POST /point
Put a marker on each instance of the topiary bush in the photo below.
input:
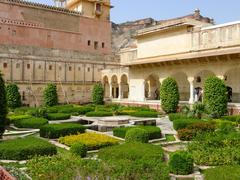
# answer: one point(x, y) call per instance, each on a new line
point(169, 95)
point(181, 163)
point(137, 135)
point(153, 131)
point(25, 148)
point(58, 116)
point(150, 114)
point(215, 96)
point(53, 131)
point(13, 96)
point(50, 95)
point(98, 94)
point(184, 122)
point(3, 106)
point(33, 122)
point(79, 149)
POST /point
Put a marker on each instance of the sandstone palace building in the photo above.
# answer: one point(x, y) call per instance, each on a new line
point(74, 45)
point(68, 46)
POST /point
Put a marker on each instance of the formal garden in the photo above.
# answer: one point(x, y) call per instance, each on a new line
point(63, 142)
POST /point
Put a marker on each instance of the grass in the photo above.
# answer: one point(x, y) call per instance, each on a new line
point(170, 138)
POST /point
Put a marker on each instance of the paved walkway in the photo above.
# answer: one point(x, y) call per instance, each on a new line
point(166, 125)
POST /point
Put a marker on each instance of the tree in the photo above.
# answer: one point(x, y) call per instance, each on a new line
point(3, 106)
point(50, 95)
point(98, 94)
point(169, 95)
point(215, 96)
point(13, 96)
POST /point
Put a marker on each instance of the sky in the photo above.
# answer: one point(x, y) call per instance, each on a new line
point(221, 11)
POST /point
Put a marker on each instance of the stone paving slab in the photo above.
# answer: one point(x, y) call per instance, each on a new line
point(166, 125)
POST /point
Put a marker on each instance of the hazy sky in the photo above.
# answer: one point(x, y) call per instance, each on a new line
point(126, 10)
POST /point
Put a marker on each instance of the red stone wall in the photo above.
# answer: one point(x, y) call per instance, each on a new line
point(46, 28)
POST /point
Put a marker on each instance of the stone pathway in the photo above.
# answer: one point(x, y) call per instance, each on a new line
point(166, 125)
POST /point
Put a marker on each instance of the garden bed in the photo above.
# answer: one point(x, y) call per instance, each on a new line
point(93, 141)
point(25, 148)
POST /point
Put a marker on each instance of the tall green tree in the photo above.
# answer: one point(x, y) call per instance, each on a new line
point(50, 95)
point(3, 106)
point(98, 94)
point(169, 95)
point(215, 96)
point(13, 96)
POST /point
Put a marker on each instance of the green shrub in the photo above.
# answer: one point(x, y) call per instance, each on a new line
point(216, 148)
point(169, 95)
point(23, 110)
point(14, 117)
point(79, 149)
point(149, 114)
point(13, 96)
point(223, 173)
point(54, 167)
point(235, 118)
point(50, 95)
point(135, 161)
point(137, 135)
point(183, 123)
point(26, 148)
point(186, 134)
point(215, 96)
point(192, 130)
point(85, 109)
point(37, 112)
point(3, 106)
point(176, 116)
point(33, 122)
point(58, 116)
point(153, 131)
point(198, 110)
point(54, 131)
point(99, 114)
point(98, 94)
point(181, 163)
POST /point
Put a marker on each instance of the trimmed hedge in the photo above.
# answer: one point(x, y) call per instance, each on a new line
point(53, 131)
point(79, 149)
point(33, 122)
point(99, 114)
point(169, 95)
point(181, 162)
point(153, 131)
point(93, 141)
point(183, 123)
point(135, 161)
point(176, 116)
point(26, 148)
point(150, 114)
point(58, 116)
point(137, 135)
point(215, 96)
point(14, 117)
point(192, 130)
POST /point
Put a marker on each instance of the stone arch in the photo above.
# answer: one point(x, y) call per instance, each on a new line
point(183, 85)
point(106, 86)
point(152, 87)
point(115, 86)
point(124, 86)
point(232, 81)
